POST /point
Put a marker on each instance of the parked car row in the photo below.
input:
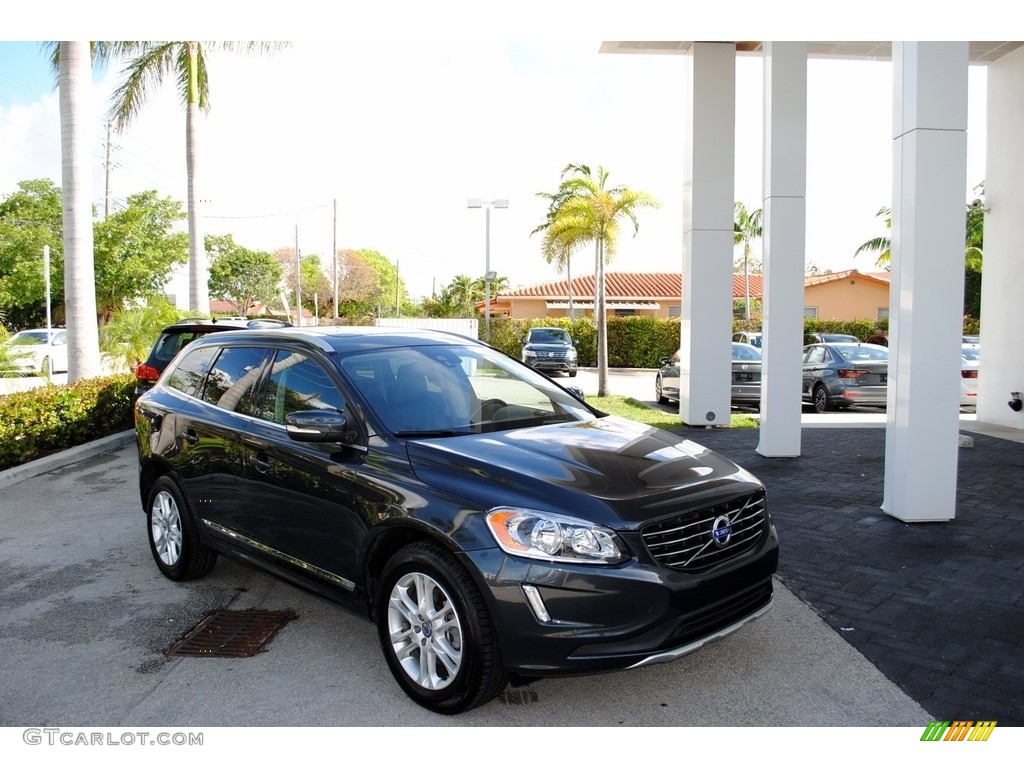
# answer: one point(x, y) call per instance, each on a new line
point(838, 372)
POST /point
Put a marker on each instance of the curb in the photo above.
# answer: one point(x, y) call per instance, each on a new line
point(70, 456)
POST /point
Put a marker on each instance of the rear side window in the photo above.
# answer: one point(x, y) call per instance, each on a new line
point(190, 373)
point(233, 378)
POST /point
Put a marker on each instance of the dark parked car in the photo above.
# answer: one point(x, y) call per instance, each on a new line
point(492, 525)
point(843, 374)
point(550, 349)
point(746, 377)
point(174, 337)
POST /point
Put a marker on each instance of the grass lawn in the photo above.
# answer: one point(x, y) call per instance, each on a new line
point(629, 408)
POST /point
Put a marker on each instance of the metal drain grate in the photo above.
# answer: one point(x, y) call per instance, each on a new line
point(231, 634)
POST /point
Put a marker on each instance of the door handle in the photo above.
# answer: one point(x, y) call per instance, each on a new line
point(190, 436)
point(261, 462)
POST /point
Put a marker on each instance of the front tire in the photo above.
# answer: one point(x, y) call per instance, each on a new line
point(174, 536)
point(436, 633)
point(662, 400)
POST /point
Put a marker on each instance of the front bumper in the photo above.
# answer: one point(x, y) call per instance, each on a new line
point(611, 618)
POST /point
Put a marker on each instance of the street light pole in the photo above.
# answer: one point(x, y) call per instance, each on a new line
point(488, 274)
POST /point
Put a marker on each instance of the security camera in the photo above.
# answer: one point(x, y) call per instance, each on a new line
point(1015, 402)
point(976, 203)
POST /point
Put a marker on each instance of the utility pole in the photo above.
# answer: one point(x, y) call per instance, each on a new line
point(334, 251)
point(108, 166)
point(298, 281)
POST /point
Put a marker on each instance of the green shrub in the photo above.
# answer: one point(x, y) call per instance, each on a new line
point(633, 342)
point(48, 419)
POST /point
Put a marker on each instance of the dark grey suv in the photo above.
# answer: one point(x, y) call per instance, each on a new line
point(550, 349)
point(493, 526)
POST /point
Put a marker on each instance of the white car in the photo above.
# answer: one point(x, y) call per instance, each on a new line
point(969, 375)
point(39, 350)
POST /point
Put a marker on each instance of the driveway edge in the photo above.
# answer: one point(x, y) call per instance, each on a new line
point(62, 459)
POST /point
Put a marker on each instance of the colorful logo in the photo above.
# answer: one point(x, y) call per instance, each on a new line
point(958, 730)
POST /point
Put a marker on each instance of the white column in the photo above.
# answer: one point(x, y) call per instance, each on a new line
point(705, 366)
point(784, 240)
point(1002, 287)
point(926, 294)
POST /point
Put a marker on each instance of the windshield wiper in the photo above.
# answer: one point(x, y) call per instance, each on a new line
point(431, 433)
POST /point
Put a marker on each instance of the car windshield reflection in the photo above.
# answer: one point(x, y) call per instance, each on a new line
point(434, 391)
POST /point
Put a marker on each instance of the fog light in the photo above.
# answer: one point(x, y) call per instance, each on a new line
point(536, 603)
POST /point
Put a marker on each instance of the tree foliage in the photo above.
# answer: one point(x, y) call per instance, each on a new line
point(371, 286)
point(136, 251)
point(30, 218)
point(241, 276)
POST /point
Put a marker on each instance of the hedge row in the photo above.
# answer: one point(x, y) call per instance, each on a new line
point(48, 419)
point(641, 341)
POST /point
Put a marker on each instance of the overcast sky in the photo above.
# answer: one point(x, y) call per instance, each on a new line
point(400, 131)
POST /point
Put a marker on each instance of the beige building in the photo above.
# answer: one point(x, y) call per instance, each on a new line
point(848, 295)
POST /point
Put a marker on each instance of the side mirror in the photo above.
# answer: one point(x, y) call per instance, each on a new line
point(319, 426)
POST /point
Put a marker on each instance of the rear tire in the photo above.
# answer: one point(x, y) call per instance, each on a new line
point(174, 535)
point(662, 400)
point(436, 633)
point(820, 399)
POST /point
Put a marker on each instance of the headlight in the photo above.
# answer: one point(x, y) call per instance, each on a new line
point(529, 353)
point(570, 355)
point(546, 536)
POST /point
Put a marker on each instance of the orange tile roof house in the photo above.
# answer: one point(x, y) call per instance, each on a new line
point(847, 295)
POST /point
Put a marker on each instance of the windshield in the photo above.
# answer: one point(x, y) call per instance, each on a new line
point(549, 336)
point(451, 390)
point(28, 337)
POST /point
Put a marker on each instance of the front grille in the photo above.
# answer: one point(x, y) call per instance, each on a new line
point(688, 542)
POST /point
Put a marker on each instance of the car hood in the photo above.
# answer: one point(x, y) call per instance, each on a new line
point(609, 470)
point(546, 347)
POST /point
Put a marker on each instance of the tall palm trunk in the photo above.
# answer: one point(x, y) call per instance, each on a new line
point(602, 321)
point(568, 277)
point(198, 269)
point(75, 83)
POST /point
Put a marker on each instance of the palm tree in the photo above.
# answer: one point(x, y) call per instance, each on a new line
point(555, 253)
point(585, 210)
point(880, 244)
point(974, 237)
point(185, 61)
point(746, 227)
point(74, 78)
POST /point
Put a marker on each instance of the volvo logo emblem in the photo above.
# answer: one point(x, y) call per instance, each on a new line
point(721, 530)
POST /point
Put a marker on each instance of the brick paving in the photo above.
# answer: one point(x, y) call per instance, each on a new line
point(937, 607)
